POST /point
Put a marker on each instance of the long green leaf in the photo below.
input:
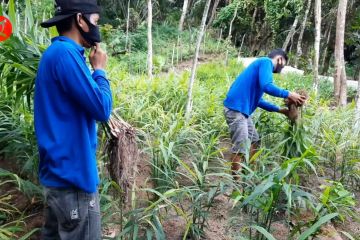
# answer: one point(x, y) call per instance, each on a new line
point(28, 235)
point(264, 232)
point(288, 191)
point(12, 15)
point(259, 190)
point(184, 165)
point(348, 235)
point(313, 229)
point(149, 234)
point(124, 232)
point(135, 232)
point(25, 70)
point(160, 232)
point(28, 14)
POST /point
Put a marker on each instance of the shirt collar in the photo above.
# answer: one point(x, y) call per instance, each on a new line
point(69, 40)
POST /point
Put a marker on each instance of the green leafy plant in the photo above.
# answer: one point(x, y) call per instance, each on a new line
point(336, 199)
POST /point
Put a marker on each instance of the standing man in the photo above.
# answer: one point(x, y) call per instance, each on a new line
point(245, 95)
point(69, 99)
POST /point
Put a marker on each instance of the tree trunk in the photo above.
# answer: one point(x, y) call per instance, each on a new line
point(252, 35)
point(326, 46)
point(213, 12)
point(232, 21)
point(343, 86)
point(303, 26)
point(254, 18)
point(317, 14)
point(327, 62)
point(242, 43)
point(291, 33)
point(228, 39)
point(340, 75)
point(183, 15)
point(127, 27)
point(357, 111)
point(195, 61)
point(149, 35)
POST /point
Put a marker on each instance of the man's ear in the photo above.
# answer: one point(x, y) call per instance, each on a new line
point(78, 19)
point(281, 62)
point(81, 22)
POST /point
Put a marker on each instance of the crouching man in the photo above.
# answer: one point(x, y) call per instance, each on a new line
point(245, 95)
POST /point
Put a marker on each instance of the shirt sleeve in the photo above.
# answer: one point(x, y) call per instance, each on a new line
point(266, 81)
point(268, 106)
point(91, 92)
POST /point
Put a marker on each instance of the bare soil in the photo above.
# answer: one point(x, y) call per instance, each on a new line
point(187, 64)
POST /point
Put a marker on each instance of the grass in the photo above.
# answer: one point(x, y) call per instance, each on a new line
point(188, 169)
point(156, 108)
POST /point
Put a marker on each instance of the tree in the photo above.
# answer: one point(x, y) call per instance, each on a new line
point(183, 14)
point(213, 12)
point(127, 27)
point(149, 36)
point(326, 47)
point(232, 21)
point(291, 33)
point(195, 61)
point(357, 115)
point(340, 85)
point(317, 10)
point(303, 26)
point(228, 39)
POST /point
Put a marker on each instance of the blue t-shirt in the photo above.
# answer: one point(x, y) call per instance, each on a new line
point(68, 102)
point(246, 93)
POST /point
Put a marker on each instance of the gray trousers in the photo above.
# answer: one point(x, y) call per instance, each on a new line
point(71, 214)
point(242, 131)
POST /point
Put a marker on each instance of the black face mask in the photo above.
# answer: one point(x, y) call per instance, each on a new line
point(278, 67)
point(93, 35)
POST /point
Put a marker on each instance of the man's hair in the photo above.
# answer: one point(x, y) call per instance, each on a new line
point(65, 25)
point(278, 52)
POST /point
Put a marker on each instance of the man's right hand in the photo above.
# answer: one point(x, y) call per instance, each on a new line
point(98, 57)
point(296, 98)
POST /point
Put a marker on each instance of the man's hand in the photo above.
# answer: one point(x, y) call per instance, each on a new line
point(284, 111)
point(296, 98)
point(98, 57)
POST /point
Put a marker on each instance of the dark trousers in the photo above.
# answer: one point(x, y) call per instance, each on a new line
point(71, 214)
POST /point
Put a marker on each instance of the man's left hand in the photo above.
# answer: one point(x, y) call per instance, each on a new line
point(284, 111)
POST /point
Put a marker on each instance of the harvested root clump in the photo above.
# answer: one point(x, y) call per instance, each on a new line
point(295, 109)
point(123, 153)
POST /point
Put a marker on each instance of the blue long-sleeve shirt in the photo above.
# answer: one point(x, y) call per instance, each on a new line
point(68, 102)
point(246, 93)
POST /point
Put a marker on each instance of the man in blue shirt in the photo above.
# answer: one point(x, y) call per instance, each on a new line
point(245, 95)
point(69, 99)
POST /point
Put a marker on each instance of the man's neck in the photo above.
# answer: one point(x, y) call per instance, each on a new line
point(74, 37)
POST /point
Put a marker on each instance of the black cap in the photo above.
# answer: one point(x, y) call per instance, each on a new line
point(68, 8)
point(278, 52)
